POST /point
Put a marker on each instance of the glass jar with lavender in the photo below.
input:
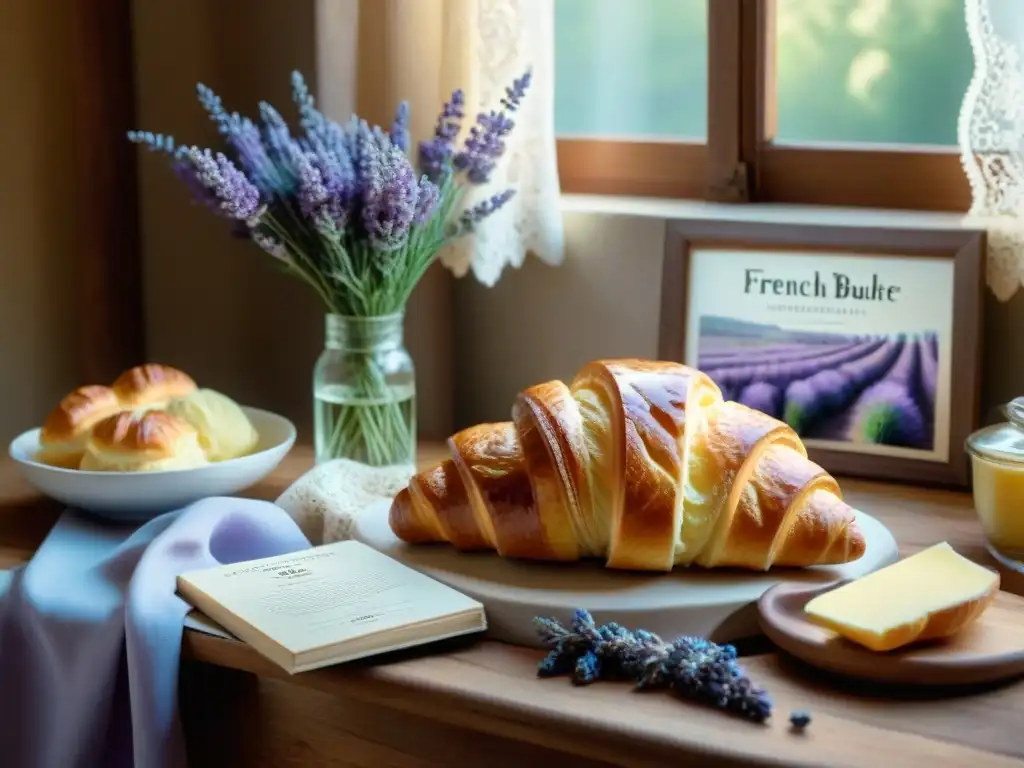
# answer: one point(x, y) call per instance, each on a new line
point(359, 213)
point(364, 390)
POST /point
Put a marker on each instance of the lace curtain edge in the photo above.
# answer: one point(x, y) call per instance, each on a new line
point(512, 36)
point(991, 137)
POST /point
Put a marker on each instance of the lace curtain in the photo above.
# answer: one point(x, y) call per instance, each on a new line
point(510, 36)
point(420, 51)
point(991, 137)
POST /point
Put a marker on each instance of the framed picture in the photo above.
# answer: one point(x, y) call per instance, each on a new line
point(865, 340)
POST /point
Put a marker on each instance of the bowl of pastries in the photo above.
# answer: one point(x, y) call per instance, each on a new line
point(151, 442)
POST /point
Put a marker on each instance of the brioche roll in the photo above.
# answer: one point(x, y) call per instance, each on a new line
point(142, 441)
point(151, 386)
point(225, 432)
point(66, 430)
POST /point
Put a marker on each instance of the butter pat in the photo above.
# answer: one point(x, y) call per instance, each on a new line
point(932, 594)
point(225, 432)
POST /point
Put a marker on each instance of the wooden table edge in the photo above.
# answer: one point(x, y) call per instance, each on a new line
point(567, 730)
point(452, 707)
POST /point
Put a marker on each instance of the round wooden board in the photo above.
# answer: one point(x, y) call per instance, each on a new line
point(990, 649)
point(718, 604)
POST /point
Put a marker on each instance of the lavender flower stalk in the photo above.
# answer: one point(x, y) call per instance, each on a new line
point(390, 201)
point(435, 154)
point(471, 217)
point(486, 142)
point(244, 137)
point(400, 127)
point(692, 667)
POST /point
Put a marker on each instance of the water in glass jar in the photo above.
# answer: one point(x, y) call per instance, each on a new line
point(378, 431)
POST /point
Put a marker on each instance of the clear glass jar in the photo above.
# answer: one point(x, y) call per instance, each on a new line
point(364, 393)
point(997, 465)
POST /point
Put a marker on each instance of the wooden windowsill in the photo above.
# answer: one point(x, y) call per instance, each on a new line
point(782, 213)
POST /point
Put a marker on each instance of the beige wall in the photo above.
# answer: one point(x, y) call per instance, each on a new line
point(214, 306)
point(542, 322)
point(38, 345)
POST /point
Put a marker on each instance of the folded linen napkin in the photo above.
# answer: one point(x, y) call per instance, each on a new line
point(327, 500)
point(90, 632)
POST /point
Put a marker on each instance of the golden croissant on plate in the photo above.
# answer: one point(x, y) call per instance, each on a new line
point(641, 464)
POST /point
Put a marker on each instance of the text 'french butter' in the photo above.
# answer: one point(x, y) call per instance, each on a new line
point(932, 594)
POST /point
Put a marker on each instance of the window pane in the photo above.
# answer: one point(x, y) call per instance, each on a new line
point(629, 68)
point(883, 71)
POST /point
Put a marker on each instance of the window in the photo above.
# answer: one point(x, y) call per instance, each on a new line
point(631, 84)
point(841, 102)
point(870, 72)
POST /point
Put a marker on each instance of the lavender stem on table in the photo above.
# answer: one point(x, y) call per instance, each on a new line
point(693, 667)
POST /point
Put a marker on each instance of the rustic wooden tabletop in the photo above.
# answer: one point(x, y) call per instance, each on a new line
point(485, 696)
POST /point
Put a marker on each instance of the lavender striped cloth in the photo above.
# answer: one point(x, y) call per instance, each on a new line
point(90, 632)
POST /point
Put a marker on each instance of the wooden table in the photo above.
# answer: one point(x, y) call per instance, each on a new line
point(482, 702)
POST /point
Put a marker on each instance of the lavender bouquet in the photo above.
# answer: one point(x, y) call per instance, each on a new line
point(343, 208)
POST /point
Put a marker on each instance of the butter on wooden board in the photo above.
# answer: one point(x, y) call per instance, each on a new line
point(932, 594)
point(329, 604)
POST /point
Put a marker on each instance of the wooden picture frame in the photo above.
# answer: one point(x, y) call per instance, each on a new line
point(703, 256)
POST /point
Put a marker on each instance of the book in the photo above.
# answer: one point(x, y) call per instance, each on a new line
point(329, 604)
point(200, 622)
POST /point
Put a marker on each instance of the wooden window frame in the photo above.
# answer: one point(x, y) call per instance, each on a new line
point(633, 168)
point(741, 161)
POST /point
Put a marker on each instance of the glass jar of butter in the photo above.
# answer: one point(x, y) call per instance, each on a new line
point(997, 464)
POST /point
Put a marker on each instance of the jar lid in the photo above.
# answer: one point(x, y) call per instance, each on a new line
point(1004, 441)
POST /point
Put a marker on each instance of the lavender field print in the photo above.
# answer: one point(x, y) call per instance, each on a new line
point(876, 389)
point(853, 351)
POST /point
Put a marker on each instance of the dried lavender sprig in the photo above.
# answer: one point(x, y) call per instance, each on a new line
point(391, 196)
point(312, 193)
point(471, 217)
point(693, 667)
point(183, 163)
point(219, 183)
point(154, 142)
point(515, 93)
point(400, 127)
point(319, 129)
point(244, 137)
point(436, 153)
point(427, 200)
point(282, 149)
point(485, 144)
point(310, 117)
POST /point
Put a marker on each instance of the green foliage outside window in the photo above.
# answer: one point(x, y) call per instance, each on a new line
point(884, 71)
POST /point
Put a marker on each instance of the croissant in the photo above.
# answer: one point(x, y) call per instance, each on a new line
point(640, 463)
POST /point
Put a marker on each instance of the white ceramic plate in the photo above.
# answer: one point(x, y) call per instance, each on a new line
point(719, 604)
point(138, 496)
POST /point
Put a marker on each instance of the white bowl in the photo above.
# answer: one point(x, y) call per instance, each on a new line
point(135, 496)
